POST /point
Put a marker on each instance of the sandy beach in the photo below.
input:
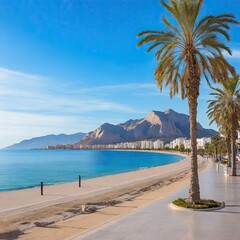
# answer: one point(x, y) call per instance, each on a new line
point(57, 214)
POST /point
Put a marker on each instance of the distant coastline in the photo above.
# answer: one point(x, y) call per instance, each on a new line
point(154, 131)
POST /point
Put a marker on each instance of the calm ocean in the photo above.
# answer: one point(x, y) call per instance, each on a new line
point(26, 169)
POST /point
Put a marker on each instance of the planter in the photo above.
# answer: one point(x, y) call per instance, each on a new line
point(180, 204)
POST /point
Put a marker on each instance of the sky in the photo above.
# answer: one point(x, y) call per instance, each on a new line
point(68, 66)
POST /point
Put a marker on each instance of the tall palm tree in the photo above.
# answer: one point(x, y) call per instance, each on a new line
point(221, 118)
point(226, 105)
point(226, 131)
point(189, 49)
point(222, 121)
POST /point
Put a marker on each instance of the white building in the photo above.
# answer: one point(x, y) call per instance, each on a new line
point(187, 144)
point(178, 142)
point(149, 144)
point(167, 145)
point(201, 142)
point(158, 144)
point(143, 144)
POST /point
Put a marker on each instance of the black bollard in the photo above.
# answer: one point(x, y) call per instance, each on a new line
point(79, 180)
point(41, 188)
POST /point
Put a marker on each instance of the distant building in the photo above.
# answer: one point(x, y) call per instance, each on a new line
point(158, 144)
point(178, 142)
point(201, 142)
point(167, 145)
point(145, 144)
point(187, 144)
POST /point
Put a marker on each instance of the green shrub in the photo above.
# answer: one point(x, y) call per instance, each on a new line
point(203, 204)
point(224, 161)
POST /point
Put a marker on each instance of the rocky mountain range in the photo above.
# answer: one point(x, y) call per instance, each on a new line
point(166, 125)
point(44, 141)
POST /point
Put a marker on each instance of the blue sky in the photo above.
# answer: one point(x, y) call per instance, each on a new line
point(70, 65)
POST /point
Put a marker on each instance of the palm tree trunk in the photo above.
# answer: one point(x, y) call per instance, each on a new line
point(233, 142)
point(229, 150)
point(194, 191)
point(216, 152)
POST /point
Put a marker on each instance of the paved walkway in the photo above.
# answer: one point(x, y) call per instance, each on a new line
point(159, 221)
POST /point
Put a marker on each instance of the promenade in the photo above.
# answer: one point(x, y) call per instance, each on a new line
point(159, 220)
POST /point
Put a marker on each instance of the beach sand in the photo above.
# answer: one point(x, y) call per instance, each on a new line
point(56, 215)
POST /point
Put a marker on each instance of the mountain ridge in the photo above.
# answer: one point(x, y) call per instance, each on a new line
point(47, 140)
point(166, 125)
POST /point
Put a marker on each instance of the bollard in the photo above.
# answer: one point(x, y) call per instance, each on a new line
point(79, 180)
point(41, 188)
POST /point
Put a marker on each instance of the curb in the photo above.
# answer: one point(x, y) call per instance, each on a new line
point(193, 210)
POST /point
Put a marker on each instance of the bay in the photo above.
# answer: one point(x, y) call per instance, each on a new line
point(27, 168)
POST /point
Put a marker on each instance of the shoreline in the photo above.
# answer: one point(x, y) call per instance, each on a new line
point(60, 221)
point(63, 192)
point(127, 150)
point(61, 202)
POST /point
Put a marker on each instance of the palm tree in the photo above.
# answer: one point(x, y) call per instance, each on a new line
point(186, 51)
point(225, 130)
point(215, 140)
point(225, 110)
point(224, 127)
point(221, 118)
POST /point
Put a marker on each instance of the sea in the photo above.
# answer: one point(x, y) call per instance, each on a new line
point(22, 169)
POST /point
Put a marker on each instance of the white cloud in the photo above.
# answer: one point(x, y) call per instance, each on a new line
point(15, 126)
point(7, 73)
point(235, 54)
point(23, 92)
point(120, 87)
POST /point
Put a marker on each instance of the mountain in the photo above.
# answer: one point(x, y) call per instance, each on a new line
point(166, 125)
point(44, 141)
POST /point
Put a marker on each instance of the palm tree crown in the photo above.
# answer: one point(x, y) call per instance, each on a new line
point(189, 42)
point(224, 109)
point(226, 102)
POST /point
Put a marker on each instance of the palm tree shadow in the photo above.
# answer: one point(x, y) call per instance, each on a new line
point(229, 212)
point(235, 205)
point(224, 210)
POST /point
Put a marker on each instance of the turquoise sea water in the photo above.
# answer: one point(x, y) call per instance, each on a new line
point(26, 169)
